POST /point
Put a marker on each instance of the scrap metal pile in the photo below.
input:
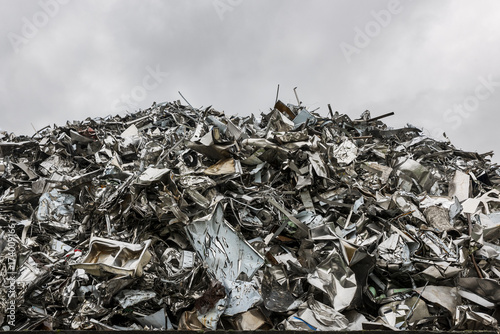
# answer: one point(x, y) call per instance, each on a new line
point(182, 218)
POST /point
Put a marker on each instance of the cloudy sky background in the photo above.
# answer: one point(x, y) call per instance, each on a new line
point(434, 63)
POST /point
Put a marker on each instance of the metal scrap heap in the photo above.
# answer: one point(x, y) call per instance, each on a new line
point(181, 218)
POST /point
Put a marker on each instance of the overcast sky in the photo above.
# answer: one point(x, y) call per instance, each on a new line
point(434, 63)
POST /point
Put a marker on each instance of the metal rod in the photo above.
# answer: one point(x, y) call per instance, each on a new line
point(416, 302)
point(381, 116)
point(277, 94)
point(296, 96)
point(473, 259)
point(330, 110)
point(185, 100)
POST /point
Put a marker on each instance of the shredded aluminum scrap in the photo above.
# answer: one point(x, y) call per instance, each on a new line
point(181, 218)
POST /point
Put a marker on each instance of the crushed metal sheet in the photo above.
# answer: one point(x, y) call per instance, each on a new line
point(127, 298)
point(176, 217)
point(242, 297)
point(226, 254)
point(314, 315)
point(115, 257)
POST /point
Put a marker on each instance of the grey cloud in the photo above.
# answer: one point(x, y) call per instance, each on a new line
point(92, 53)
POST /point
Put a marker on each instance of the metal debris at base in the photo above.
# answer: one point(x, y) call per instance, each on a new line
point(181, 218)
